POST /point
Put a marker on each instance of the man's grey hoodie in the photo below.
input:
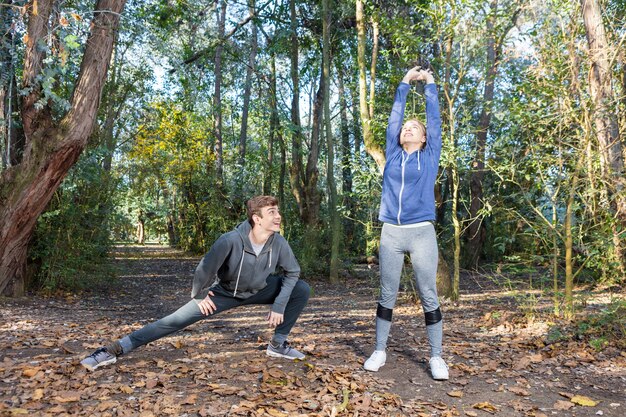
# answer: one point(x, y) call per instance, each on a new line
point(232, 265)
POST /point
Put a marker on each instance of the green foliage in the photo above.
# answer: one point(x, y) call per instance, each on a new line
point(71, 242)
point(601, 329)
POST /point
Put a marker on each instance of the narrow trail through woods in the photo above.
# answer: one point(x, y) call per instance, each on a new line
point(501, 362)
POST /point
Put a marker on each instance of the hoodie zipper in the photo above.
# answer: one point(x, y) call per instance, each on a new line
point(243, 253)
point(419, 167)
point(401, 188)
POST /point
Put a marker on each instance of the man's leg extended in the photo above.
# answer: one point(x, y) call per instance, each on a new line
point(181, 318)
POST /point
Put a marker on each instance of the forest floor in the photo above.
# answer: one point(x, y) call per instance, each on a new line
point(502, 361)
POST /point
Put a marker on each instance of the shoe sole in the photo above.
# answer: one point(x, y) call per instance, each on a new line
point(100, 364)
point(278, 355)
point(374, 369)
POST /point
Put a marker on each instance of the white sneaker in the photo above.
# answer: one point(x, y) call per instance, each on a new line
point(378, 359)
point(438, 368)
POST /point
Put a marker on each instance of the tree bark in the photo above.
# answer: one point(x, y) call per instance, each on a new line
point(606, 120)
point(346, 158)
point(372, 148)
point(51, 147)
point(296, 171)
point(476, 228)
point(243, 133)
point(217, 97)
point(274, 127)
point(335, 224)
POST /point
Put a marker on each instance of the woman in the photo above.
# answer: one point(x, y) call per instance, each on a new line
point(407, 211)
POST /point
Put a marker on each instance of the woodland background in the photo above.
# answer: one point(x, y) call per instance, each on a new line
point(156, 120)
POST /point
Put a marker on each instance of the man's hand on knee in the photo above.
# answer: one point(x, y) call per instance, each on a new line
point(274, 318)
point(207, 306)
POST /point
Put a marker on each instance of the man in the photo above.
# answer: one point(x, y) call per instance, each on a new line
point(237, 270)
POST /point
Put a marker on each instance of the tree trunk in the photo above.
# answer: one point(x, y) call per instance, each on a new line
point(217, 97)
point(451, 290)
point(335, 224)
point(606, 120)
point(371, 146)
point(243, 133)
point(476, 228)
point(296, 171)
point(51, 147)
point(274, 127)
point(346, 158)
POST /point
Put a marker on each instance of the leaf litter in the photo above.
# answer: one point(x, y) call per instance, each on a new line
point(500, 363)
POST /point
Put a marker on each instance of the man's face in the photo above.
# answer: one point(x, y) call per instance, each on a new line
point(269, 220)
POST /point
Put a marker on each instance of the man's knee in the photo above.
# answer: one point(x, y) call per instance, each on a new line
point(301, 290)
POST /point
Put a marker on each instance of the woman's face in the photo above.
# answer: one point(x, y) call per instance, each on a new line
point(412, 133)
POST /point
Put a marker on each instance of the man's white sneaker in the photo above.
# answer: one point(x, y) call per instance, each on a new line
point(378, 359)
point(438, 368)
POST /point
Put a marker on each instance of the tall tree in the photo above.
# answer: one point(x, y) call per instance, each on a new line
point(304, 178)
point(243, 132)
point(606, 120)
point(217, 97)
point(52, 145)
point(335, 223)
point(367, 109)
point(495, 42)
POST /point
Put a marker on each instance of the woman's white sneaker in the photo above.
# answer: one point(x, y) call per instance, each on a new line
point(378, 359)
point(438, 368)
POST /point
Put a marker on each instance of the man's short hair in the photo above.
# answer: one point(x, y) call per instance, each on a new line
point(256, 204)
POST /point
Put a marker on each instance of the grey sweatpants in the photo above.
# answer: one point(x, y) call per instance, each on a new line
point(420, 242)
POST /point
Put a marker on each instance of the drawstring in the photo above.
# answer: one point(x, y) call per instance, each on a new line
point(418, 160)
point(270, 261)
point(239, 273)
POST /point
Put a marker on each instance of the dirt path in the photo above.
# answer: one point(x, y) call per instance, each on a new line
point(500, 361)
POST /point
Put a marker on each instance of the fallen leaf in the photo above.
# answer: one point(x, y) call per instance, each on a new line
point(563, 405)
point(486, 406)
point(191, 399)
point(68, 396)
point(38, 394)
point(126, 389)
point(275, 413)
point(471, 413)
point(457, 394)
point(519, 391)
point(584, 401)
point(30, 372)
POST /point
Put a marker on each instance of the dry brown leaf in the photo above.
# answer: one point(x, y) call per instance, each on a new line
point(584, 401)
point(107, 405)
point(519, 391)
point(566, 394)
point(486, 406)
point(562, 405)
point(151, 383)
point(38, 394)
point(18, 411)
point(456, 394)
point(178, 344)
point(30, 372)
point(275, 413)
point(190, 399)
point(68, 396)
point(471, 413)
point(126, 389)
